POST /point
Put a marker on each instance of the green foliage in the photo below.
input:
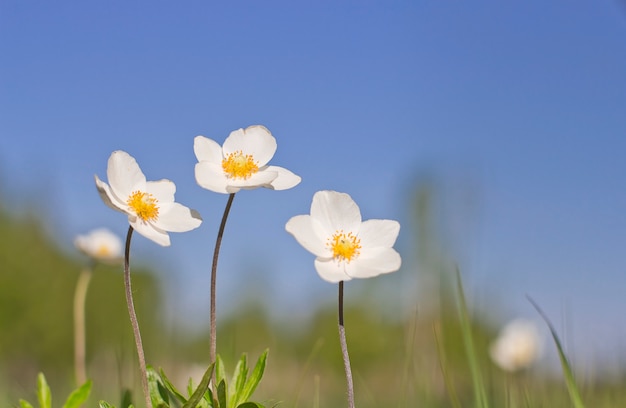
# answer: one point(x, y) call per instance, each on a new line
point(44, 395)
point(104, 404)
point(572, 388)
point(443, 352)
point(37, 282)
point(230, 394)
point(241, 386)
point(480, 394)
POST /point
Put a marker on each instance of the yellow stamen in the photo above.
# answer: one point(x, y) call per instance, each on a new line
point(144, 205)
point(103, 251)
point(238, 165)
point(345, 247)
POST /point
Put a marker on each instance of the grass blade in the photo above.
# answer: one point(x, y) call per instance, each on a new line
point(78, 396)
point(43, 392)
point(202, 388)
point(466, 330)
point(454, 399)
point(171, 388)
point(255, 377)
point(572, 388)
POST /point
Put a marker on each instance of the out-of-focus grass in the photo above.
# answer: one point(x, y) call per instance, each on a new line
point(420, 361)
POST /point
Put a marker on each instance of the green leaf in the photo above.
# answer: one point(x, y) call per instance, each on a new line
point(78, 396)
point(171, 388)
point(25, 404)
point(255, 377)
point(221, 394)
point(43, 392)
point(158, 392)
point(238, 381)
point(104, 404)
point(198, 394)
point(250, 405)
point(127, 399)
point(220, 371)
point(572, 388)
point(207, 398)
point(480, 395)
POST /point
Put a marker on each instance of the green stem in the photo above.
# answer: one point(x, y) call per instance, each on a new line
point(80, 295)
point(133, 320)
point(216, 252)
point(344, 349)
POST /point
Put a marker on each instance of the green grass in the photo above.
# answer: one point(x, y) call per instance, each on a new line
point(436, 359)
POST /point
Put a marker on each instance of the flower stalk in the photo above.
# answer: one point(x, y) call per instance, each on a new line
point(344, 350)
point(216, 252)
point(133, 320)
point(80, 296)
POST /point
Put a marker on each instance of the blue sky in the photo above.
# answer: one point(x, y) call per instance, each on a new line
point(515, 110)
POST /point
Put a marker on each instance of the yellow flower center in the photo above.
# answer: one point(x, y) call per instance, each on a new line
point(238, 165)
point(345, 247)
point(103, 251)
point(144, 205)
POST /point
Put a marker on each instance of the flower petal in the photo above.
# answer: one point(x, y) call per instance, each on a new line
point(378, 233)
point(260, 179)
point(124, 175)
point(374, 262)
point(330, 270)
point(211, 176)
point(100, 244)
point(149, 231)
point(285, 179)
point(178, 218)
point(108, 197)
point(163, 190)
point(207, 150)
point(336, 211)
point(303, 230)
point(254, 140)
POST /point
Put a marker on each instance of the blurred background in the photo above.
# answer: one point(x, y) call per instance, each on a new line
point(495, 134)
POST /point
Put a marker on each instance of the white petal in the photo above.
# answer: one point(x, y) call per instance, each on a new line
point(330, 270)
point(285, 179)
point(336, 211)
point(211, 176)
point(378, 233)
point(100, 244)
point(162, 190)
point(254, 140)
point(148, 231)
point(207, 150)
point(124, 175)
point(301, 227)
point(259, 179)
point(374, 262)
point(178, 218)
point(108, 197)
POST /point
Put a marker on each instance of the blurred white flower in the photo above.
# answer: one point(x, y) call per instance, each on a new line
point(518, 345)
point(100, 245)
point(149, 205)
point(241, 163)
point(345, 247)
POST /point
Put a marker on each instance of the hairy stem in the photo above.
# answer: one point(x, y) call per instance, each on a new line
point(80, 295)
point(216, 252)
point(134, 322)
point(344, 349)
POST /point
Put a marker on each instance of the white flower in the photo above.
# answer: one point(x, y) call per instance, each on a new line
point(149, 205)
point(345, 247)
point(100, 245)
point(241, 163)
point(518, 345)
